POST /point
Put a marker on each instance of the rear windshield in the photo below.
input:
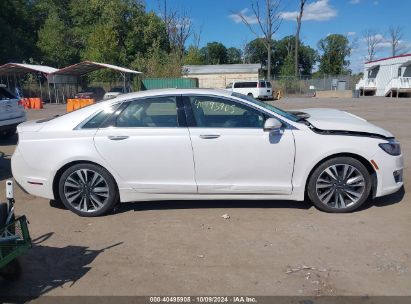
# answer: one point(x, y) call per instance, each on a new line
point(262, 84)
point(5, 94)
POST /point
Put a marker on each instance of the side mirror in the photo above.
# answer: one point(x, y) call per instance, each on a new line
point(272, 124)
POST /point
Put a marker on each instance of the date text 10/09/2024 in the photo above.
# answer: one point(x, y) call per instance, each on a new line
point(205, 299)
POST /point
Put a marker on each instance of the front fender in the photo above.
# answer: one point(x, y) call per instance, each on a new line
point(312, 149)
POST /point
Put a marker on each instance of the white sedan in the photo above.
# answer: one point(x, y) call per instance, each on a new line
point(177, 144)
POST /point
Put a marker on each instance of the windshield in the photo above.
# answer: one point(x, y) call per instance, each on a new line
point(267, 106)
point(6, 94)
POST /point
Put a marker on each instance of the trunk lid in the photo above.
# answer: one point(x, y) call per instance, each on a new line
point(31, 126)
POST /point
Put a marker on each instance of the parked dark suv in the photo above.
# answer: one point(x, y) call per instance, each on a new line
point(96, 93)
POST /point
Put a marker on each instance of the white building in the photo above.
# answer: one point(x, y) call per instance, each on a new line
point(220, 75)
point(387, 77)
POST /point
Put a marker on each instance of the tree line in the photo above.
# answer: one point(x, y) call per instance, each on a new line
point(375, 41)
point(62, 32)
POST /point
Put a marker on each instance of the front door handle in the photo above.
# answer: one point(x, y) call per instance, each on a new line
point(118, 137)
point(209, 136)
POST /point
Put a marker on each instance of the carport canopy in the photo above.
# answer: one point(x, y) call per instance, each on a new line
point(85, 67)
point(10, 69)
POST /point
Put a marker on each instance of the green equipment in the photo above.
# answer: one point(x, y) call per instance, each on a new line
point(14, 237)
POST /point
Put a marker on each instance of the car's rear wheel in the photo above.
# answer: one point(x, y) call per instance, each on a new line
point(250, 94)
point(88, 190)
point(339, 185)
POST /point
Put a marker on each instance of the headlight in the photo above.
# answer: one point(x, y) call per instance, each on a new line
point(392, 147)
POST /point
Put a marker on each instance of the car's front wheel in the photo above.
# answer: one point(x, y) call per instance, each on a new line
point(88, 190)
point(339, 185)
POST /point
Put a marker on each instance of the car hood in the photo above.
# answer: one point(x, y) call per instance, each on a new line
point(336, 120)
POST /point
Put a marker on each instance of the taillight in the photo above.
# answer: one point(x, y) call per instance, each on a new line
point(20, 103)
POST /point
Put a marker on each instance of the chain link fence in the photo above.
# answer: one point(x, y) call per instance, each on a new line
point(308, 85)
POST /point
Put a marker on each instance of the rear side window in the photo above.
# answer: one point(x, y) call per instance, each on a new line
point(160, 112)
point(248, 84)
point(98, 119)
point(5, 94)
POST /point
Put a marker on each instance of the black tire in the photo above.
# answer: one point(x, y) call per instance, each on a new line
point(12, 271)
point(107, 204)
point(361, 188)
point(8, 133)
point(251, 95)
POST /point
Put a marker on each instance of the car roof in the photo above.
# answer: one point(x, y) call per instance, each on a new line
point(262, 80)
point(172, 91)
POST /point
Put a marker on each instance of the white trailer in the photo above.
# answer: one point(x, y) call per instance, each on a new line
point(387, 77)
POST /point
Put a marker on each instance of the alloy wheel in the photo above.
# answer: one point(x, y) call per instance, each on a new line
point(86, 190)
point(340, 186)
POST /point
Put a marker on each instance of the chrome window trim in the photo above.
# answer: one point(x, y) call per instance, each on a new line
point(266, 112)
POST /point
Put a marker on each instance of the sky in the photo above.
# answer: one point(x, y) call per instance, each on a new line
point(218, 22)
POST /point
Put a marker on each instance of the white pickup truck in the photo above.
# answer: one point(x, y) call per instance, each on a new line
point(12, 112)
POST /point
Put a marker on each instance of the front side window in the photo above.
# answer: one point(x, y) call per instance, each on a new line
point(160, 112)
point(267, 106)
point(213, 112)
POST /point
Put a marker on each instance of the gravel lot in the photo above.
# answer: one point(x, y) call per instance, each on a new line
point(187, 248)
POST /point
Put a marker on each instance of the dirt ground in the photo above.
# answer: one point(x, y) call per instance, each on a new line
point(187, 248)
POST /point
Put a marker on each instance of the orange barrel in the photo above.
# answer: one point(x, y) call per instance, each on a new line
point(87, 102)
point(37, 103)
point(76, 104)
point(83, 103)
point(26, 103)
point(70, 105)
point(31, 102)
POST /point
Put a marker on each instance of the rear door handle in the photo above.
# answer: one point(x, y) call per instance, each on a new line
point(118, 137)
point(209, 136)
